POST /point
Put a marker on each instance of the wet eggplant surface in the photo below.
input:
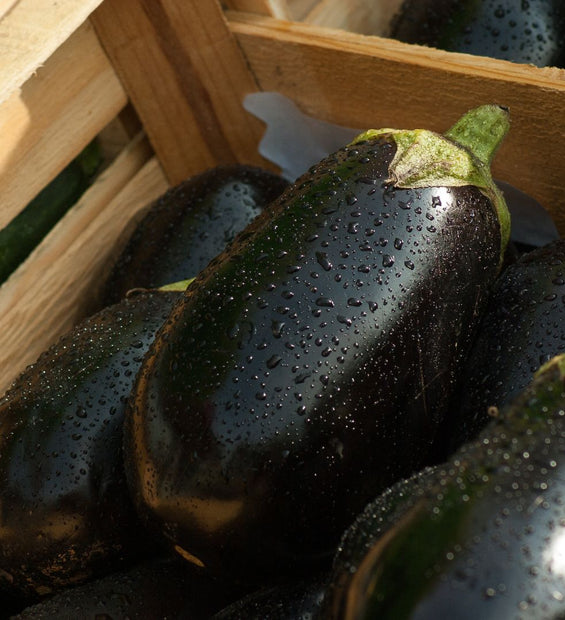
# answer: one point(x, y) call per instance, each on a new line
point(65, 511)
point(523, 327)
point(189, 225)
point(480, 536)
point(523, 31)
point(310, 365)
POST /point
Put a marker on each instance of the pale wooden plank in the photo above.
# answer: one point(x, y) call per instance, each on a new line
point(360, 81)
point(186, 77)
point(361, 16)
point(56, 113)
point(52, 290)
point(274, 8)
point(30, 31)
point(6, 6)
point(299, 9)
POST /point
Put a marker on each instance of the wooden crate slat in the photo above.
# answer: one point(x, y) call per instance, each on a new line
point(30, 31)
point(186, 77)
point(361, 16)
point(274, 8)
point(6, 6)
point(53, 117)
point(52, 290)
point(360, 81)
point(299, 9)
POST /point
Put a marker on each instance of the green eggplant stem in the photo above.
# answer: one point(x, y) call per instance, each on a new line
point(457, 158)
point(481, 131)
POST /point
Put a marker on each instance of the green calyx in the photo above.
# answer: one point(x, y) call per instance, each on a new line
point(462, 156)
point(555, 365)
point(541, 400)
point(182, 285)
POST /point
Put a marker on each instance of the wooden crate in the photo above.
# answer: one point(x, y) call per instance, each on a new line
point(171, 75)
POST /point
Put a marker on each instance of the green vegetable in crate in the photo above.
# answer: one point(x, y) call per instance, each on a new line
point(523, 327)
point(65, 512)
point(30, 226)
point(531, 31)
point(481, 536)
point(185, 228)
point(310, 365)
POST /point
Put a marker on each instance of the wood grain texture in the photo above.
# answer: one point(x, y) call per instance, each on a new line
point(30, 31)
point(361, 16)
point(54, 116)
point(186, 77)
point(51, 291)
point(6, 6)
point(299, 9)
point(274, 8)
point(360, 81)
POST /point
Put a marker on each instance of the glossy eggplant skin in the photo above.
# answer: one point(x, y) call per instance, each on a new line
point(348, 575)
point(66, 515)
point(189, 225)
point(522, 328)
point(480, 536)
point(158, 588)
point(309, 366)
point(292, 600)
point(531, 31)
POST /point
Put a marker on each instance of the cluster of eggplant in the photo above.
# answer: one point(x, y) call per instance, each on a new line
point(325, 402)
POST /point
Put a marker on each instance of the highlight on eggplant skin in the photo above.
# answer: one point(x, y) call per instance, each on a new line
point(66, 515)
point(287, 360)
point(480, 536)
point(186, 227)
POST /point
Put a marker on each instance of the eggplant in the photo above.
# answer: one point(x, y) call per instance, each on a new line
point(309, 365)
point(480, 536)
point(187, 226)
point(162, 587)
point(65, 512)
point(523, 31)
point(291, 600)
point(523, 327)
